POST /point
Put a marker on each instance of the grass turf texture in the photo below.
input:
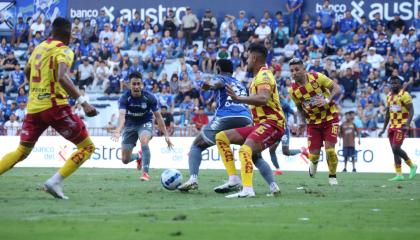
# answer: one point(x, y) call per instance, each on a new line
point(114, 204)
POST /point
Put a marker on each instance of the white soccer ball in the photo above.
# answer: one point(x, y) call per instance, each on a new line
point(171, 179)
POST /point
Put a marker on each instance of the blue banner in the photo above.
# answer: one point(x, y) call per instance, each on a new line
point(47, 9)
point(157, 10)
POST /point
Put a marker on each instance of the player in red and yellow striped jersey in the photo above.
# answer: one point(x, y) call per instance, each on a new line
point(48, 106)
point(400, 112)
point(268, 125)
point(313, 94)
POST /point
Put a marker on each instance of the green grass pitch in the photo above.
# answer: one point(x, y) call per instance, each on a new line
point(114, 204)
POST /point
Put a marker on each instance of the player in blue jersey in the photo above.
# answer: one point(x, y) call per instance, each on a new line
point(137, 108)
point(228, 115)
point(285, 141)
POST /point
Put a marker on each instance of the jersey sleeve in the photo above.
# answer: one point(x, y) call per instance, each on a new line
point(265, 77)
point(122, 102)
point(153, 103)
point(295, 100)
point(65, 55)
point(324, 80)
point(387, 100)
point(406, 99)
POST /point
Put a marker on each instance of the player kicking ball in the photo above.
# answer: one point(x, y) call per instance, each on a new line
point(399, 112)
point(313, 94)
point(268, 120)
point(137, 108)
point(229, 115)
point(48, 106)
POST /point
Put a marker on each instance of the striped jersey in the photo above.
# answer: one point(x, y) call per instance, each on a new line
point(272, 112)
point(398, 110)
point(317, 86)
point(44, 89)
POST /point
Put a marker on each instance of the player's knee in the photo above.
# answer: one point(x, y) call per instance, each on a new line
point(285, 151)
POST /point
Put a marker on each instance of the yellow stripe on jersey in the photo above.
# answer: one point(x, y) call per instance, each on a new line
point(44, 89)
point(272, 111)
point(398, 111)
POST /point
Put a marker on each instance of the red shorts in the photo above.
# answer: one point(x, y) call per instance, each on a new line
point(319, 133)
point(396, 136)
point(61, 118)
point(262, 133)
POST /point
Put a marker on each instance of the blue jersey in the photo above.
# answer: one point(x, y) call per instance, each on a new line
point(18, 78)
point(287, 110)
point(135, 25)
point(382, 46)
point(226, 107)
point(114, 81)
point(139, 110)
point(327, 16)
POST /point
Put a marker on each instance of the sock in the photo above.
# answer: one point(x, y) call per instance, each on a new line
point(194, 178)
point(194, 159)
point(84, 151)
point(134, 156)
point(245, 155)
point(409, 163)
point(314, 158)
point(264, 168)
point(398, 169)
point(145, 157)
point(57, 178)
point(332, 161)
point(293, 152)
point(234, 179)
point(10, 159)
point(248, 189)
point(273, 156)
point(223, 145)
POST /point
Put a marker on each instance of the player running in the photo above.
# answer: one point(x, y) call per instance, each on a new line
point(313, 94)
point(285, 140)
point(48, 106)
point(400, 112)
point(268, 119)
point(137, 108)
point(229, 115)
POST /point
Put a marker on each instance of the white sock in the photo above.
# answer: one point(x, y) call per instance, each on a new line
point(248, 189)
point(234, 179)
point(57, 178)
point(193, 178)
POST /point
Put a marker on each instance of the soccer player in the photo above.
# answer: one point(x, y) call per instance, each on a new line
point(48, 106)
point(400, 112)
point(229, 115)
point(137, 108)
point(348, 132)
point(313, 94)
point(285, 140)
point(268, 125)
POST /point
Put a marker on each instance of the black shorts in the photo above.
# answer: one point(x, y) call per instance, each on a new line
point(349, 152)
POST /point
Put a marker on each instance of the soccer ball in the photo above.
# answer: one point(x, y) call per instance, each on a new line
point(171, 179)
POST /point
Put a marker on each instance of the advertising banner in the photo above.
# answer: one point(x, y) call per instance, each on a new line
point(373, 155)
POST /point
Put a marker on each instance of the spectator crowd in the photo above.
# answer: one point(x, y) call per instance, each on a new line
point(360, 56)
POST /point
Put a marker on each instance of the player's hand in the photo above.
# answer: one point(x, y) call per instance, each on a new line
point(89, 110)
point(116, 136)
point(205, 86)
point(231, 93)
point(320, 101)
point(381, 133)
point(168, 141)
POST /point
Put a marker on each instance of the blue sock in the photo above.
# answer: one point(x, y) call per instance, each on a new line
point(264, 168)
point(194, 160)
point(134, 156)
point(145, 157)
point(273, 156)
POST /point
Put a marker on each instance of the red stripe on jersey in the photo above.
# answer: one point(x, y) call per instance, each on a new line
point(52, 88)
point(51, 62)
point(60, 45)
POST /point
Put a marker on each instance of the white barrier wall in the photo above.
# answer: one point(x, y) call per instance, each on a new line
point(374, 154)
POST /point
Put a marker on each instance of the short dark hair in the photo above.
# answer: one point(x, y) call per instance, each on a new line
point(61, 27)
point(135, 75)
point(295, 61)
point(164, 107)
point(258, 48)
point(225, 65)
point(396, 78)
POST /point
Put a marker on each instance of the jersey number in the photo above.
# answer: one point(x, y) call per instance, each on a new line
point(334, 129)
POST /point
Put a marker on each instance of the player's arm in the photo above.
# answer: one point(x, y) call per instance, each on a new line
point(357, 132)
point(27, 71)
point(162, 128)
point(68, 86)
point(259, 99)
point(120, 126)
point(385, 122)
point(410, 108)
point(213, 84)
